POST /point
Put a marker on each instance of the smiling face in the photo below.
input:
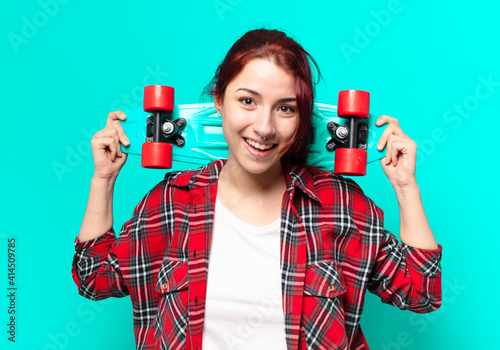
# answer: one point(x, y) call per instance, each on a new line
point(259, 117)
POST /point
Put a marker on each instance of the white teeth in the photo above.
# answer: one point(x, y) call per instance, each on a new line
point(257, 145)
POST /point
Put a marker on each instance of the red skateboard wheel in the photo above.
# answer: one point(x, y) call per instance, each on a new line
point(158, 98)
point(354, 103)
point(350, 161)
point(156, 155)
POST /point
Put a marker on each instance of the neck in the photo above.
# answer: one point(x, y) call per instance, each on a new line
point(254, 198)
point(236, 179)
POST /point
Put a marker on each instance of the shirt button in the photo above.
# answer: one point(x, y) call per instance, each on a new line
point(331, 287)
point(164, 286)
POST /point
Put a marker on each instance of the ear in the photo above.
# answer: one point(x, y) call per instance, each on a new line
point(218, 104)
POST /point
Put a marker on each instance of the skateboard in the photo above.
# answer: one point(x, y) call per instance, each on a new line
point(190, 135)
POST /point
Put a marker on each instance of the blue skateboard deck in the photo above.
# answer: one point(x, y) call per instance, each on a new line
point(203, 140)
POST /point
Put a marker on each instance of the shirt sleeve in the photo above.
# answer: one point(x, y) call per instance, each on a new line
point(407, 277)
point(95, 268)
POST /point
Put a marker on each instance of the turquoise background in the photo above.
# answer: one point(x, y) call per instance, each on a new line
point(66, 64)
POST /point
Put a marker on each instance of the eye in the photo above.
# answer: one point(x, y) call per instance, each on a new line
point(287, 109)
point(246, 101)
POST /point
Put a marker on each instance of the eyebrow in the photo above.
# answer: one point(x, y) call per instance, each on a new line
point(253, 92)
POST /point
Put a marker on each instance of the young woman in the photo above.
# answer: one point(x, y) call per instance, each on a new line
point(259, 250)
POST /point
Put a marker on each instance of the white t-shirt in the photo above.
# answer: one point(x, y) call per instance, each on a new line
point(244, 307)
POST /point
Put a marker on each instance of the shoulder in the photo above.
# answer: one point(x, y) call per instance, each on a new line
point(182, 182)
point(158, 207)
point(339, 190)
point(323, 182)
point(193, 178)
point(348, 205)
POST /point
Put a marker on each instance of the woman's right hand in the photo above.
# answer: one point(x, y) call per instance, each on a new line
point(106, 149)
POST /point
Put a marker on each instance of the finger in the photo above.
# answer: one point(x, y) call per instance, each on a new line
point(112, 131)
point(112, 116)
point(395, 153)
point(392, 147)
point(382, 120)
point(385, 119)
point(105, 140)
point(396, 128)
point(402, 146)
point(114, 145)
point(101, 140)
point(118, 147)
point(122, 137)
point(107, 133)
point(388, 152)
point(392, 129)
point(395, 144)
point(387, 132)
point(113, 149)
point(382, 142)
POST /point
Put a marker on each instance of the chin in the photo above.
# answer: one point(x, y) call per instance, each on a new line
point(261, 167)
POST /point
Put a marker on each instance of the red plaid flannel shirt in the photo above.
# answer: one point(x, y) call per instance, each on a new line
point(333, 249)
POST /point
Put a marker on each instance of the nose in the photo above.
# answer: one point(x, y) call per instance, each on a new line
point(263, 124)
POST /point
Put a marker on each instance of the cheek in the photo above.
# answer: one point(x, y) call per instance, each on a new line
point(295, 130)
point(292, 138)
point(231, 124)
point(225, 127)
point(228, 134)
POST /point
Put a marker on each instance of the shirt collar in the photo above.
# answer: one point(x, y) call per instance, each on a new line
point(295, 176)
point(302, 178)
point(200, 177)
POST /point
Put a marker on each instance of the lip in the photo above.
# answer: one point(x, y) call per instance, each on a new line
point(262, 142)
point(258, 153)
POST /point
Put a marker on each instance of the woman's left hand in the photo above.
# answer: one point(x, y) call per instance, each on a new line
point(400, 159)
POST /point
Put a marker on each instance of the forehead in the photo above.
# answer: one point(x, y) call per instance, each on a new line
point(263, 75)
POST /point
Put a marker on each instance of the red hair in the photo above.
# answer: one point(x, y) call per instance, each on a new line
point(287, 54)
